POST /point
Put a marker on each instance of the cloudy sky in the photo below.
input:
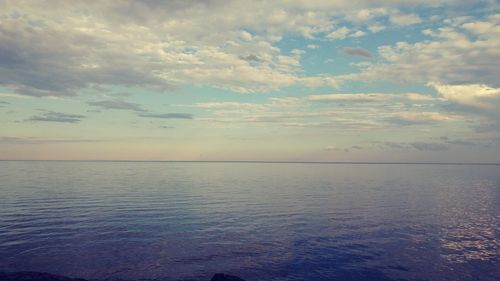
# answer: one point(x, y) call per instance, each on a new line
point(291, 80)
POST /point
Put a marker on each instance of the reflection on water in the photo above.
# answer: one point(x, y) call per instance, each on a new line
point(470, 224)
point(471, 241)
point(259, 221)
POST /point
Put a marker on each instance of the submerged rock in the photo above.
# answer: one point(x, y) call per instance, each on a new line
point(34, 276)
point(225, 277)
point(42, 276)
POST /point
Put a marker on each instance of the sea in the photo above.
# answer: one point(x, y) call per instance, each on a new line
point(258, 221)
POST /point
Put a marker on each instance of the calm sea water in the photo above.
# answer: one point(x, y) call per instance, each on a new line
point(173, 221)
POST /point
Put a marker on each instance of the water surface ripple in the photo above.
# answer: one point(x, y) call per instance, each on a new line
point(172, 221)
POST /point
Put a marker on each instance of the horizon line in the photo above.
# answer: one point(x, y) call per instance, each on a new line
point(260, 162)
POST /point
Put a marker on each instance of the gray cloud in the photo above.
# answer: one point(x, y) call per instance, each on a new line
point(36, 140)
point(461, 142)
point(61, 57)
point(168, 115)
point(251, 58)
point(360, 52)
point(429, 146)
point(395, 145)
point(407, 122)
point(117, 104)
point(47, 61)
point(422, 146)
point(121, 94)
point(487, 127)
point(52, 116)
point(49, 50)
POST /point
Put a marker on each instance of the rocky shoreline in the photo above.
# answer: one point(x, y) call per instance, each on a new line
point(42, 276)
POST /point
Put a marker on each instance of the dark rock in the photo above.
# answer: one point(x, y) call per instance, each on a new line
point(225, 277)
point(34, 276)
point(41, 276)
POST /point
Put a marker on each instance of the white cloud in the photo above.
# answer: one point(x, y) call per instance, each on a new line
point(395, 99)
point(12, 95)
point(415, 118)
point(332, 148)
point(231, 105)
point(419, 97)
point(479, 102)
point(366, 15)
point(285, 102)
point(474, 95)
point(246, 36)
point(340, 33)
point(61, 48)
point(361, 97)
point(404, 19)
point(272, 103)
point(376, 28)
point(483, 28)
point(357, 34)
point(451, 57)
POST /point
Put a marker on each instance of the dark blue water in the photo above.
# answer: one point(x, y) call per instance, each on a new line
point(268, 222)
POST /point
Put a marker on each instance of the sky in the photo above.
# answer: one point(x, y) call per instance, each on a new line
point(290, 80)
